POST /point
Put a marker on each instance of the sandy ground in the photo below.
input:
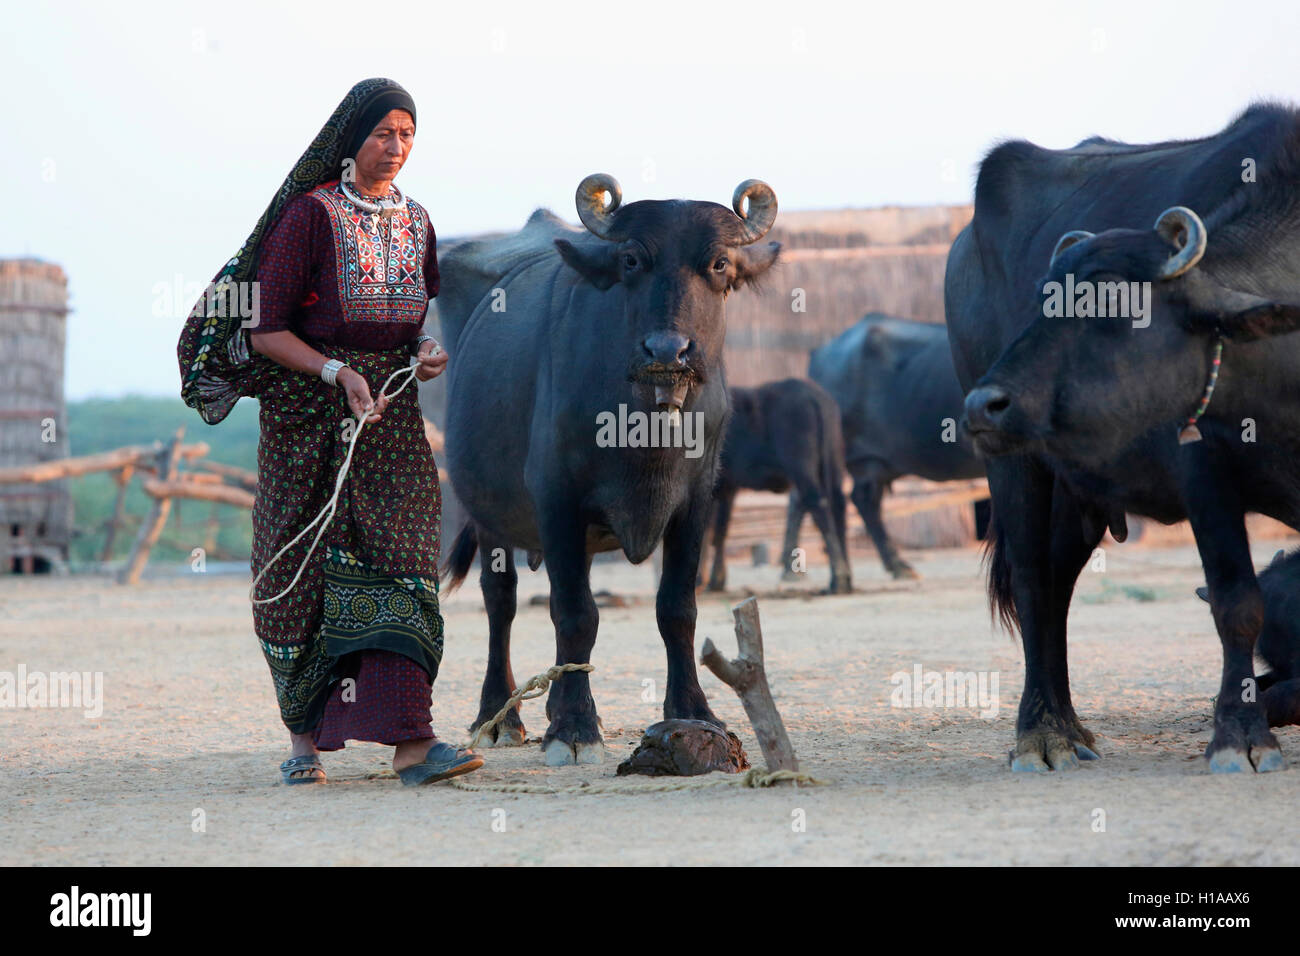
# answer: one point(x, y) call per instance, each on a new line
point(189, 735)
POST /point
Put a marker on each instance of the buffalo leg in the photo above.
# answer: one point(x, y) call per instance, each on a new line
point(722, 505)
point(1242, 741)
point(839, 506)
point(819, 506)
point(574, 732)
point(498, 580)
point(1035, 574)
point(1076, 531)
point(793, 522)
point(868, 489)
point(675, 612)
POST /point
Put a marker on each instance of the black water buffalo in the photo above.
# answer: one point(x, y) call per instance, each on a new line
point(781, 436)
point(585, 412)
point(1279, 638)
point(1086, 418)
point(899, 403)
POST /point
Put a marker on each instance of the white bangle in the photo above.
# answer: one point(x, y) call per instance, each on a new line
point(330, 370)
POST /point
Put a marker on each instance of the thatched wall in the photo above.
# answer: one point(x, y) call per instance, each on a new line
point(35, 519)
point(838, 266)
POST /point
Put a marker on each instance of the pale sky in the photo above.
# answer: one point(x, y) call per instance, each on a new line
point(140, 141)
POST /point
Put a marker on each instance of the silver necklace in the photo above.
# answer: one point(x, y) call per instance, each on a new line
point(384, 207)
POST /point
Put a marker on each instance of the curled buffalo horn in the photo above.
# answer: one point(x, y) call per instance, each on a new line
point(1067, 240)
point(590, 199)
point(762, 209)
point(1183, 228)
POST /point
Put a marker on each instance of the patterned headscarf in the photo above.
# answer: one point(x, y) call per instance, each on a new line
point(217, 365)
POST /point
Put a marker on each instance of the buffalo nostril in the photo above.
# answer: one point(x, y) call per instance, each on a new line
point(666, 348)
point(986, 406)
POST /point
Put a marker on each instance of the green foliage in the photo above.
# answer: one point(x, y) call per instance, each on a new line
point(100, 424)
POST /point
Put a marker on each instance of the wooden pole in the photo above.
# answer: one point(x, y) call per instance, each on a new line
point(123, 479)
point(747, 677)
point(153, 525)
point(199, 490)
point(896, 507)
point(214, 524)
point(87, 464)
point(241, 476)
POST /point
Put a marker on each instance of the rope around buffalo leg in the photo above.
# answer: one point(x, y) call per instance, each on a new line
point(535, 686)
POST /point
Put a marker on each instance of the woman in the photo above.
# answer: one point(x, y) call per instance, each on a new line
point(344, 265)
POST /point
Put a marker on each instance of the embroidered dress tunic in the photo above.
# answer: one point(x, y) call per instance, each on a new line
point(354, 646)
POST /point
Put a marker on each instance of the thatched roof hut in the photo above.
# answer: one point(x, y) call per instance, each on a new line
point(35, 519)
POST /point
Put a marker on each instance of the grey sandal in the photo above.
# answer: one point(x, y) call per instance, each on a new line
point(307, 762)
point(440, 763)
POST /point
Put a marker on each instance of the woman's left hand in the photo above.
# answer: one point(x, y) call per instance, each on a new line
point(432, 360)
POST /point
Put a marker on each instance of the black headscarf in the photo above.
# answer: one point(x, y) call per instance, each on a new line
point(216, 363)
point(369, 113)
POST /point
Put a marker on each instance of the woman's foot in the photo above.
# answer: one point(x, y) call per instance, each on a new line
point(410, 752)
point(297, 769)
point(439, 761)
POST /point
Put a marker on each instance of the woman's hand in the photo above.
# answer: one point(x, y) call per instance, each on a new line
point(358, 392)
point(432, 360)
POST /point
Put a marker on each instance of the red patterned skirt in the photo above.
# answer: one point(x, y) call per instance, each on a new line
point(369, 593)
point(380, 696)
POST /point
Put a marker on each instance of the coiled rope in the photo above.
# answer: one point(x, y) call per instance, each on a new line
point(754, 777)
point(328, 511)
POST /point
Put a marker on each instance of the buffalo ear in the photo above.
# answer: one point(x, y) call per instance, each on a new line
point(597, 264)
point(753, 261)
point(1240, 316)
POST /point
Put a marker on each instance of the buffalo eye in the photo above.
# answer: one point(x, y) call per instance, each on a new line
point(721, 265)
point(629, 261)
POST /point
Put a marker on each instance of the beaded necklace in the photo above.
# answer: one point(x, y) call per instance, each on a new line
point(1189, 432)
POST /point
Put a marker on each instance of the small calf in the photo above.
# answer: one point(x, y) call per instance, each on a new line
point(785, 435)
point(1278, 645)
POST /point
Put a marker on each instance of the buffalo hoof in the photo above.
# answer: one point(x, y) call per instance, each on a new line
point(1254, 760)
point(508, 733)
point(506, 737)
point(716, 585)
point(559, 753)
point(842, 586)
point(1045, 752)
point(904, 572)
point(789, 576)
point(1242, 743)
point(1258, 760)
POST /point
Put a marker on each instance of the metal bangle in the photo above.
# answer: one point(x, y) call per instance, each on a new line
point(415, 346)
point(330, 371)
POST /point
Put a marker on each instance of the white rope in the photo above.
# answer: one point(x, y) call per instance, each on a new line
point(328, 511)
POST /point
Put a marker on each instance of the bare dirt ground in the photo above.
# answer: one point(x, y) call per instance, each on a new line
point(189, 731)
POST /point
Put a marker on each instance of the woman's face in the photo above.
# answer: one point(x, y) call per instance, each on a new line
point(384, 151)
